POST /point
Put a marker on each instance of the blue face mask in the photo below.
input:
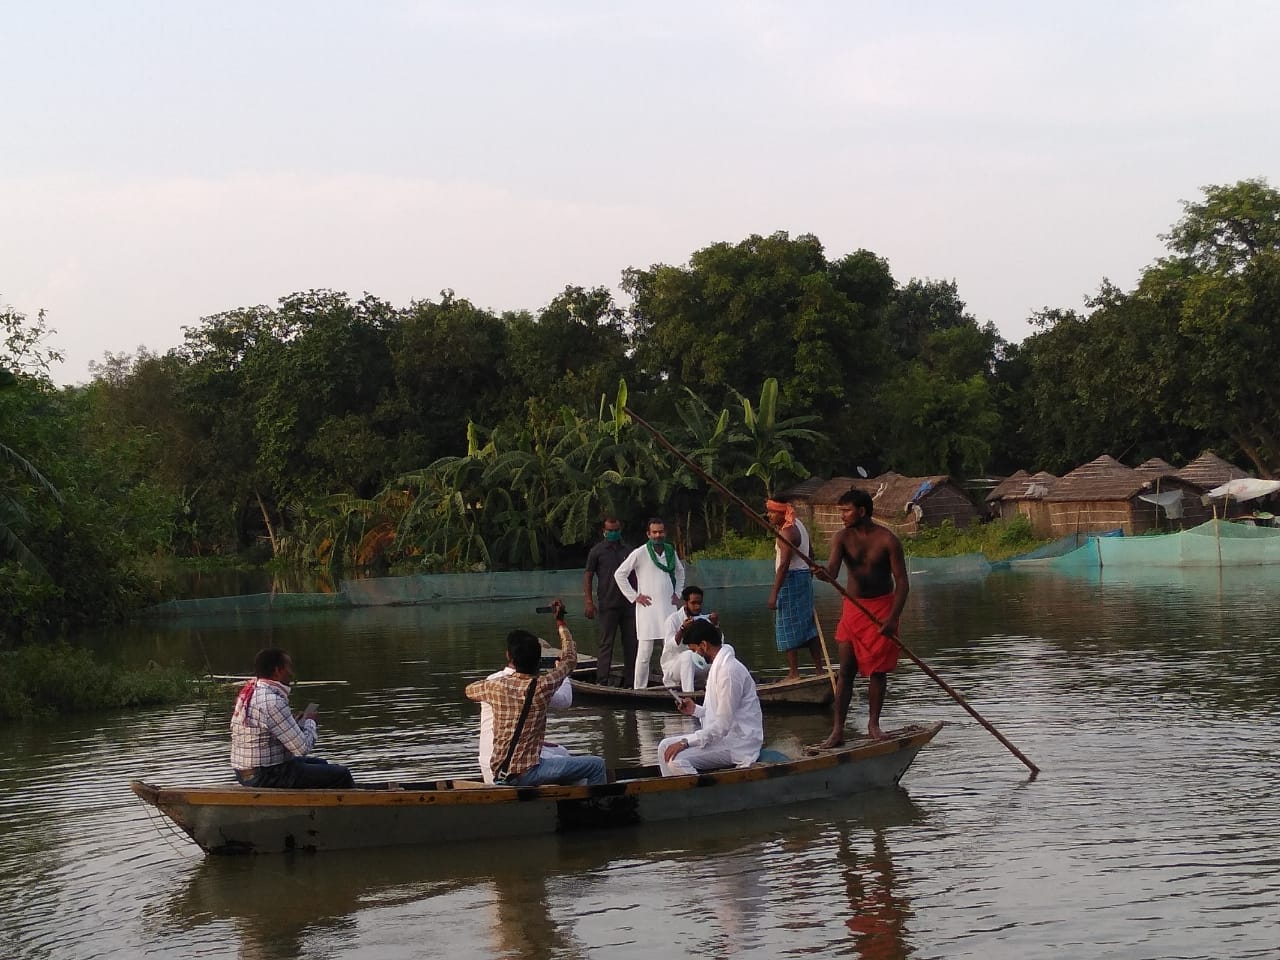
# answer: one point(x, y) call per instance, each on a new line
point(613, 536)
point(700, 661)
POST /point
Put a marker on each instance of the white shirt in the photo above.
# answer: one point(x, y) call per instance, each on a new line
point(730, 711)
point(562, 699)
point(651, 620)
point(671, 649)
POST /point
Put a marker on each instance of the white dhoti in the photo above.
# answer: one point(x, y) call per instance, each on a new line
point(680, 669)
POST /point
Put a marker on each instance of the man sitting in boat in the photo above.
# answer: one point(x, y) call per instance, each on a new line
point(562, 699)
point(519, 701)
point(270, 746)
point(732, 730)
point(681, 667)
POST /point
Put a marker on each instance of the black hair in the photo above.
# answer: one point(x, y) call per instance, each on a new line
point(690, 590)
point(701, 630)
point(652, 521)
point(858, 498)
point(525, 651)
point(268, 661)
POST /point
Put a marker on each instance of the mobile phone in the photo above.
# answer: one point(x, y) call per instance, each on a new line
point(675, 693)
point(312, 710)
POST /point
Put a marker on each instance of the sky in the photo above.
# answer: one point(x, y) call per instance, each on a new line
point(162, 162)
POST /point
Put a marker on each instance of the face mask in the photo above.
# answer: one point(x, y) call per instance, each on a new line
point(700, 661)
point(613, 536)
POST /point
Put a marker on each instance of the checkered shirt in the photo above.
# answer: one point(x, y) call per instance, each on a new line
point(264, 732)
point(506, 695)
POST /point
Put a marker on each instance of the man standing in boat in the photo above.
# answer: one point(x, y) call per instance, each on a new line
point(681, 667)
point(792, 594)
point(519, 701)
point(878, 579)
point(616, 614)
point(732, 727)
point(270, 745)
point(659, 580)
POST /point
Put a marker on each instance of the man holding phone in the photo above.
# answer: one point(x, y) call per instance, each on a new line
point(732, 730)
point(519, 701)
point(270, 746)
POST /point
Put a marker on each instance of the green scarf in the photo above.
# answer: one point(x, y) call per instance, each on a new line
point(668, 562)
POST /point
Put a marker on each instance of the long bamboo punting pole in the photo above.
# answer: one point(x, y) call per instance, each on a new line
point(751, 514)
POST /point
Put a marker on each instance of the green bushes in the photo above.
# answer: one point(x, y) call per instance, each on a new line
point(57, 678)
point(997, 540)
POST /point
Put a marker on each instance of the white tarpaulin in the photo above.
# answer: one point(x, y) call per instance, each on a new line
point(1170, 500)
point(1246, 488)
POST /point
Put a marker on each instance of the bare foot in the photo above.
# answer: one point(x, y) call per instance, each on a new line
point(874, 731)
point(794, 675)
point(835, 740)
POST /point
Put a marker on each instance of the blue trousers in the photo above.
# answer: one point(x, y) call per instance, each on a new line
point(561, 770)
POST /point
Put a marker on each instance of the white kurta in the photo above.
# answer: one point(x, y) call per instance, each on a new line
point(562, 699)
point(651, 620)
point(679, 667)
point(732, 726)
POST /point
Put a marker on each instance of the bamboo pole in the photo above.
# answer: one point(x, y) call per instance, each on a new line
point(761, 521)
point(822, 637)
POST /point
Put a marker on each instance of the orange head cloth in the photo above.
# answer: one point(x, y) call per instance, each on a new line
point(777, 506)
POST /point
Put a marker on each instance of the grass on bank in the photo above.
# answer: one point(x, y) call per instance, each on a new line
point(997, 540)
point(50, 678)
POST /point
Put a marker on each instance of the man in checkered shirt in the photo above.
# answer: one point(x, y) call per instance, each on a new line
point(270, 746)
point(507, 694)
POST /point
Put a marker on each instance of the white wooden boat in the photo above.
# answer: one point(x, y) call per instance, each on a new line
point(807, 692)
point(236, 819)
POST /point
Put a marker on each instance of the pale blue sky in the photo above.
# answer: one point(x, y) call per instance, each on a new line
point(163, 161)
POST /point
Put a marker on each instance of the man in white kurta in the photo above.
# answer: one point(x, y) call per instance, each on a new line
point(681, 667)
point(659, 580)
point(732, 730)
point(562, 699)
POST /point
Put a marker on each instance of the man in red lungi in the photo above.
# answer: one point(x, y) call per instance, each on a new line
point(878, 579)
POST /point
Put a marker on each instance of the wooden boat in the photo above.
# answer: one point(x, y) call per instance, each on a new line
point(236, 819)
point(805, 693)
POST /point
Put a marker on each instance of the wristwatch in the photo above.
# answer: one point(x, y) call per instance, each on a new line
point(684, 742)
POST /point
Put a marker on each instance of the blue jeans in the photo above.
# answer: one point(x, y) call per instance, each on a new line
point(300, 773)
point(561, 770)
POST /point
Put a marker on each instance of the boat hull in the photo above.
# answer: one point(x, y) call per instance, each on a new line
point(245, 820)
point(806, 693)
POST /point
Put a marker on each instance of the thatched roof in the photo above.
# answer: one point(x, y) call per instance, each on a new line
point(1209, 470)
point(1024, 486)
point(892, 492)
point(820, 491)
point(1102, 479)
point(1155, 467)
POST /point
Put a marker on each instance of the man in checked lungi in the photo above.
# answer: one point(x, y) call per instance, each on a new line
point(792, 594)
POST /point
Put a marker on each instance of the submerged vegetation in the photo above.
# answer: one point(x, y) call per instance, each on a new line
point(43, 679)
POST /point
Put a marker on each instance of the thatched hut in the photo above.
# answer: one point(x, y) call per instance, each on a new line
point(903, 504)
point(1155, 467)
point(1023, 494)
point(1208, 471)
point(1105, 494)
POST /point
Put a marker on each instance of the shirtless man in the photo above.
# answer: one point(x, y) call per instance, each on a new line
point(878, 578)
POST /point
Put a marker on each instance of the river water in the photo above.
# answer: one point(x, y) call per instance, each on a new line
point(1149, 701)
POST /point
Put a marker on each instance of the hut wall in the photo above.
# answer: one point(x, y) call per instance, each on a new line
point(947, 503)
point(1090, 516)
point(1036, 511)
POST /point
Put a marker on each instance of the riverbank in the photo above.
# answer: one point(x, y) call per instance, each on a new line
point(42, 679)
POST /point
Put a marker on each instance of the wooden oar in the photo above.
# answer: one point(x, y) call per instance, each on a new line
point(822, 637)
point(822, 573)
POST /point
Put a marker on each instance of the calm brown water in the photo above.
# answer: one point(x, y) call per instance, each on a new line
point(1154, 831)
